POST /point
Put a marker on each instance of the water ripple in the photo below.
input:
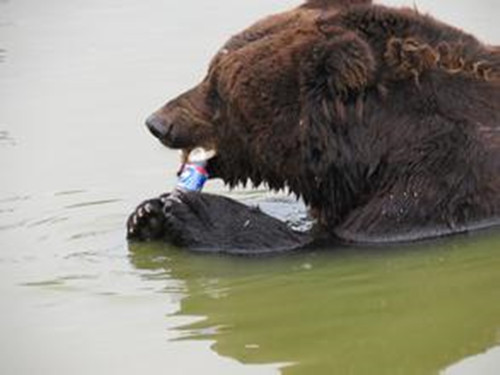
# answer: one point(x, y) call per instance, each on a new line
point(5, 137)
point(15, 199)
point(92, 203)
point(69, 192)
point(48, 221)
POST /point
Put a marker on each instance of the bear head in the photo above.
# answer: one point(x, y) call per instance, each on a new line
point(263, 91)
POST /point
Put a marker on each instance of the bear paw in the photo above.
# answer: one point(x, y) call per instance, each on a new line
point(147, 222)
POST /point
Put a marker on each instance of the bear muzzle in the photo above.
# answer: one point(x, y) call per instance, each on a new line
point(168, 133)
point(158, 127)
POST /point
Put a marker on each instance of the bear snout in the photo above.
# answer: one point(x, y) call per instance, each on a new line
point(158, 127)
point(172, 133)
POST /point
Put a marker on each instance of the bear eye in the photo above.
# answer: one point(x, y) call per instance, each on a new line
point(215, 103)
point(213, 97)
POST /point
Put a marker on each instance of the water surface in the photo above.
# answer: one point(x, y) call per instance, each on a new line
point(77, 78)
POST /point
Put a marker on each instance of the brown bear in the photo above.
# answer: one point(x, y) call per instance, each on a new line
point(386, 122)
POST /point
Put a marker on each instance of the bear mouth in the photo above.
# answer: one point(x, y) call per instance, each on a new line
point(212, 164)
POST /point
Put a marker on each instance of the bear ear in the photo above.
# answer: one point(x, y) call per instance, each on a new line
point(335, 71)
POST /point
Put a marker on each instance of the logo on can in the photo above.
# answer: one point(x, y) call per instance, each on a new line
point(192, 177)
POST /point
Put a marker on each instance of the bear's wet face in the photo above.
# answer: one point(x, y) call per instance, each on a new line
point(248, 107)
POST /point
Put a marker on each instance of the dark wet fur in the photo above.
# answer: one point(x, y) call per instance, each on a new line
point(211, 223)
point(385, 121)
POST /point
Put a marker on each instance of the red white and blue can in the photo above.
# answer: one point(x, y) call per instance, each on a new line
point(192, 177)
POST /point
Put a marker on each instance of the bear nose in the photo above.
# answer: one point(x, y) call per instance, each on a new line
point(157, 127)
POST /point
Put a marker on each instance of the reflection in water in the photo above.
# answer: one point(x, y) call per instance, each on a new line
point(415, 311)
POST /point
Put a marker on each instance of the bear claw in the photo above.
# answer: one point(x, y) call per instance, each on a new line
point(146, 222)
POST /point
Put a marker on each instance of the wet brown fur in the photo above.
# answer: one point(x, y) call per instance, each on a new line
point(385, 121)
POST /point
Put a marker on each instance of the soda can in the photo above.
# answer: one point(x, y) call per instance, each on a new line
point(192, 177)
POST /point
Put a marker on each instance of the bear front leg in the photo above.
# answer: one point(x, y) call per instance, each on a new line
point(211, 223)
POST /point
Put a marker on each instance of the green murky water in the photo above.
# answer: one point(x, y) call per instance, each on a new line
point(412, 310)
point(77, 78)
